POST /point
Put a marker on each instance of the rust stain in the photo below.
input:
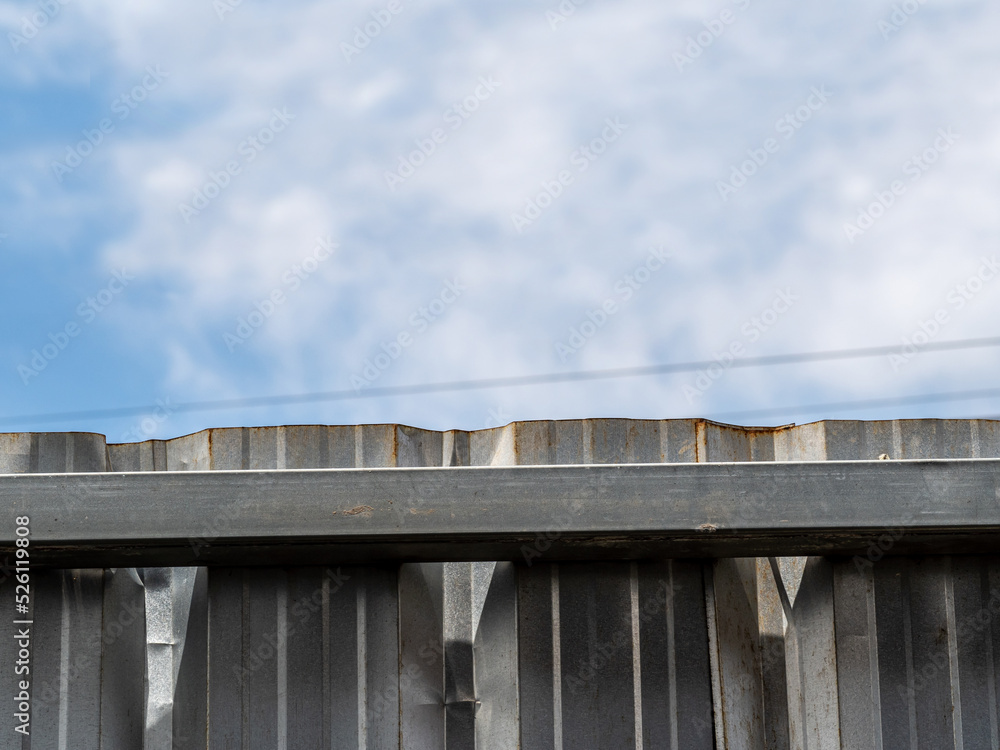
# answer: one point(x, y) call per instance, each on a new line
point(416, 512)
point(359, 509)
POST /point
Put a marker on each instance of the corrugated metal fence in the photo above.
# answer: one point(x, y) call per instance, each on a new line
point(879, 653)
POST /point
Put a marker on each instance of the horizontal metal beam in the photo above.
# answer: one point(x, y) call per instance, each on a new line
point(520, 513)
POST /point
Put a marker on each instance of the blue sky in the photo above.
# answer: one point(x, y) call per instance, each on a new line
point(261, 198)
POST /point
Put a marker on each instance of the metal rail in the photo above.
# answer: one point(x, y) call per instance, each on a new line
point(609, 511)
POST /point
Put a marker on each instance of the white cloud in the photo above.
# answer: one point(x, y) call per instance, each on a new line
point(656, 185)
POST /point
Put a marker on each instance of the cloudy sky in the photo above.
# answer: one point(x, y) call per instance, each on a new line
point(216, 200)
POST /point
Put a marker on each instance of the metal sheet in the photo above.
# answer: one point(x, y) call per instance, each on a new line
point(796, 652)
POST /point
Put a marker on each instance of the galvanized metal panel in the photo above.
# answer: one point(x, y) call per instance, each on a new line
point(496, 659)
point(421, 655)
point(190, 714)
point(813, 646)
point(924, 633)
point(123, 672)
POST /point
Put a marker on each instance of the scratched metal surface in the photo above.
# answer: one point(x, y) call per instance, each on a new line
point(876, 652)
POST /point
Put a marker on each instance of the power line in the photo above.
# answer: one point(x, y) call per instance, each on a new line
point(502, 382)
point(870, 403)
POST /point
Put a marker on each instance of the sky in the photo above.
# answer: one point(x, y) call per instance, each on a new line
point(208, 200)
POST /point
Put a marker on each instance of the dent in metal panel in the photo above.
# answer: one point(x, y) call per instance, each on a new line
point(421, 656)
point(496, 655)
point(416, 447)
point(679, 441)
point(492, 447)
point(459, 665)
point(774, 666)
point(455, 448)
point(720, 442)
point(802, 443)
point(168, 594)
point(740, 706)
point(206, 450)
point(811, 657)
point(123, 664)
point(190, 714)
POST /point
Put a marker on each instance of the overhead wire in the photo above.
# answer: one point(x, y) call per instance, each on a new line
point(527, 380)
